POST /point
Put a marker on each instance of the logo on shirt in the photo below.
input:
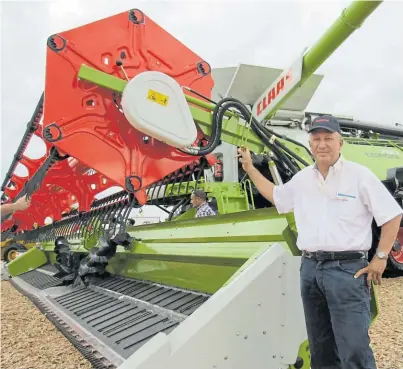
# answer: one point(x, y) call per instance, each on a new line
point(344, 196)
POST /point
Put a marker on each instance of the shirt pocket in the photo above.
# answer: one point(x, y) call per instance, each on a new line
point(345, 208)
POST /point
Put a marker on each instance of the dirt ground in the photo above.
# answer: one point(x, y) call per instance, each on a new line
point(23, 326)
point(387, 331)
point(29, 340)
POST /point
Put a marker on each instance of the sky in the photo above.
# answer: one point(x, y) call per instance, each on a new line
point(363, 78)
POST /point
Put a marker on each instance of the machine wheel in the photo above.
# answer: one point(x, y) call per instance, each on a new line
point(11, 251)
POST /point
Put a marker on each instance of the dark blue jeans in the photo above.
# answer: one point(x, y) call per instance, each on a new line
point(337, 314)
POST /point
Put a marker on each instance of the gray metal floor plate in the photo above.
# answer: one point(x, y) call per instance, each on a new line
point(50, 268)
point(40, 280)
point(181, 301)
point(121, 324)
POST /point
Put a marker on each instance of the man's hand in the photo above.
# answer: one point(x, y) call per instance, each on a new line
point(374, 270)
point(22, 203)
point(245, 159)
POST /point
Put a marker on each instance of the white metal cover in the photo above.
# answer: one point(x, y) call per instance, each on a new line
point(154, 104)
point(255, 321)
point(250, 81)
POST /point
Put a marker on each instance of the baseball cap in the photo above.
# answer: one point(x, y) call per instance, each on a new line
point(327, 122)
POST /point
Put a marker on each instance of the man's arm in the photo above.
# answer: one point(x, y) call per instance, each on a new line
point(389, 233)
point(387, 214)
point(20, 204)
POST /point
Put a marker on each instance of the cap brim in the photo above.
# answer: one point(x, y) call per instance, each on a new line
point(321, 127)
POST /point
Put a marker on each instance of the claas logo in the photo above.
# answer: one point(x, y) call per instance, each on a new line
point(273, 93)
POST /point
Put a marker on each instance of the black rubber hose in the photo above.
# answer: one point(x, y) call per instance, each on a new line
point(257, 129)
point(225, 105)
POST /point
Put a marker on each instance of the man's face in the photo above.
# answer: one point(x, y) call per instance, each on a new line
point(195, 201)
point(326, 146)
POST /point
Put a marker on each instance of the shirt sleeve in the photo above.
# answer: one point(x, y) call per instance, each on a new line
point(283, 196)
point(378, 199)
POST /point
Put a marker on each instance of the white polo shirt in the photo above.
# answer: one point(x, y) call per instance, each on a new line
point(336, 214)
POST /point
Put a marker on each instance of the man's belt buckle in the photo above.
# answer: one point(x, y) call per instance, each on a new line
point(322, 255)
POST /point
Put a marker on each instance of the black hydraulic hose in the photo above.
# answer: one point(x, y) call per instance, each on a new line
point(257, 129)
point(262, 132)
point(269, 131)
point(286, 149)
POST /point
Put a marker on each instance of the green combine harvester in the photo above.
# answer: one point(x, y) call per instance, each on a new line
point(142, 112)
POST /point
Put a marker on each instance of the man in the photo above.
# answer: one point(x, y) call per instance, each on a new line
point(21, 204)
point(198, 200)
point(334, 202)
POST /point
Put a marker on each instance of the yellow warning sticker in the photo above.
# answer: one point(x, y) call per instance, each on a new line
point(158, 97)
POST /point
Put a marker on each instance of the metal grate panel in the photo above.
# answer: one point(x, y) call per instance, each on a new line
point(49, 268)
point(181, 301)
point(122, 324)
point(40, 280)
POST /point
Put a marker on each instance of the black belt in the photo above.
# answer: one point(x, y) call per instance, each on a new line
point(335, 255)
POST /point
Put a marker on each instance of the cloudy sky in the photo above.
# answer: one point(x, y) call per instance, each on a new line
point(363, 78)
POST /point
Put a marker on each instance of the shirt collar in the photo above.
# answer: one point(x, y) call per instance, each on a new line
point(336, 166)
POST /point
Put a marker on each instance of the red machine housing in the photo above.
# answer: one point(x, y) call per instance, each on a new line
point(66, 183)
point(86, 122)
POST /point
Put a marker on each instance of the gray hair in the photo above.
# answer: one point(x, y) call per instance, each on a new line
point(200, 194)
point(337, 133)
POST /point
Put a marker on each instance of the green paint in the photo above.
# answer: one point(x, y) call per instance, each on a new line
point(253, 225)
point(197, 277)
point(29, 260)
point(305, 354)
point(350, 20)
point(198, 254)
point(100, 78)
point(230, 196)
point(376, 155)
point(204, 274)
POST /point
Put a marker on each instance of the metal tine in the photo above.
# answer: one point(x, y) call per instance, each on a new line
point(116, 207)
point(112, 211)
point(130, 208)
point(123, 202)
point(72, 223)
point(192, 170)
point(167, 182)
point(181, 181)
point(103, 215)
point(202, 165)
point(65, 227)
point(130, 201)
point(174, 181)
point(83, 226)
point(154, 187)
point(94, 217)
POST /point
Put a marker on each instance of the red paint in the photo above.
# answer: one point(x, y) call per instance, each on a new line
point(93, 130)
point(273, 93)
